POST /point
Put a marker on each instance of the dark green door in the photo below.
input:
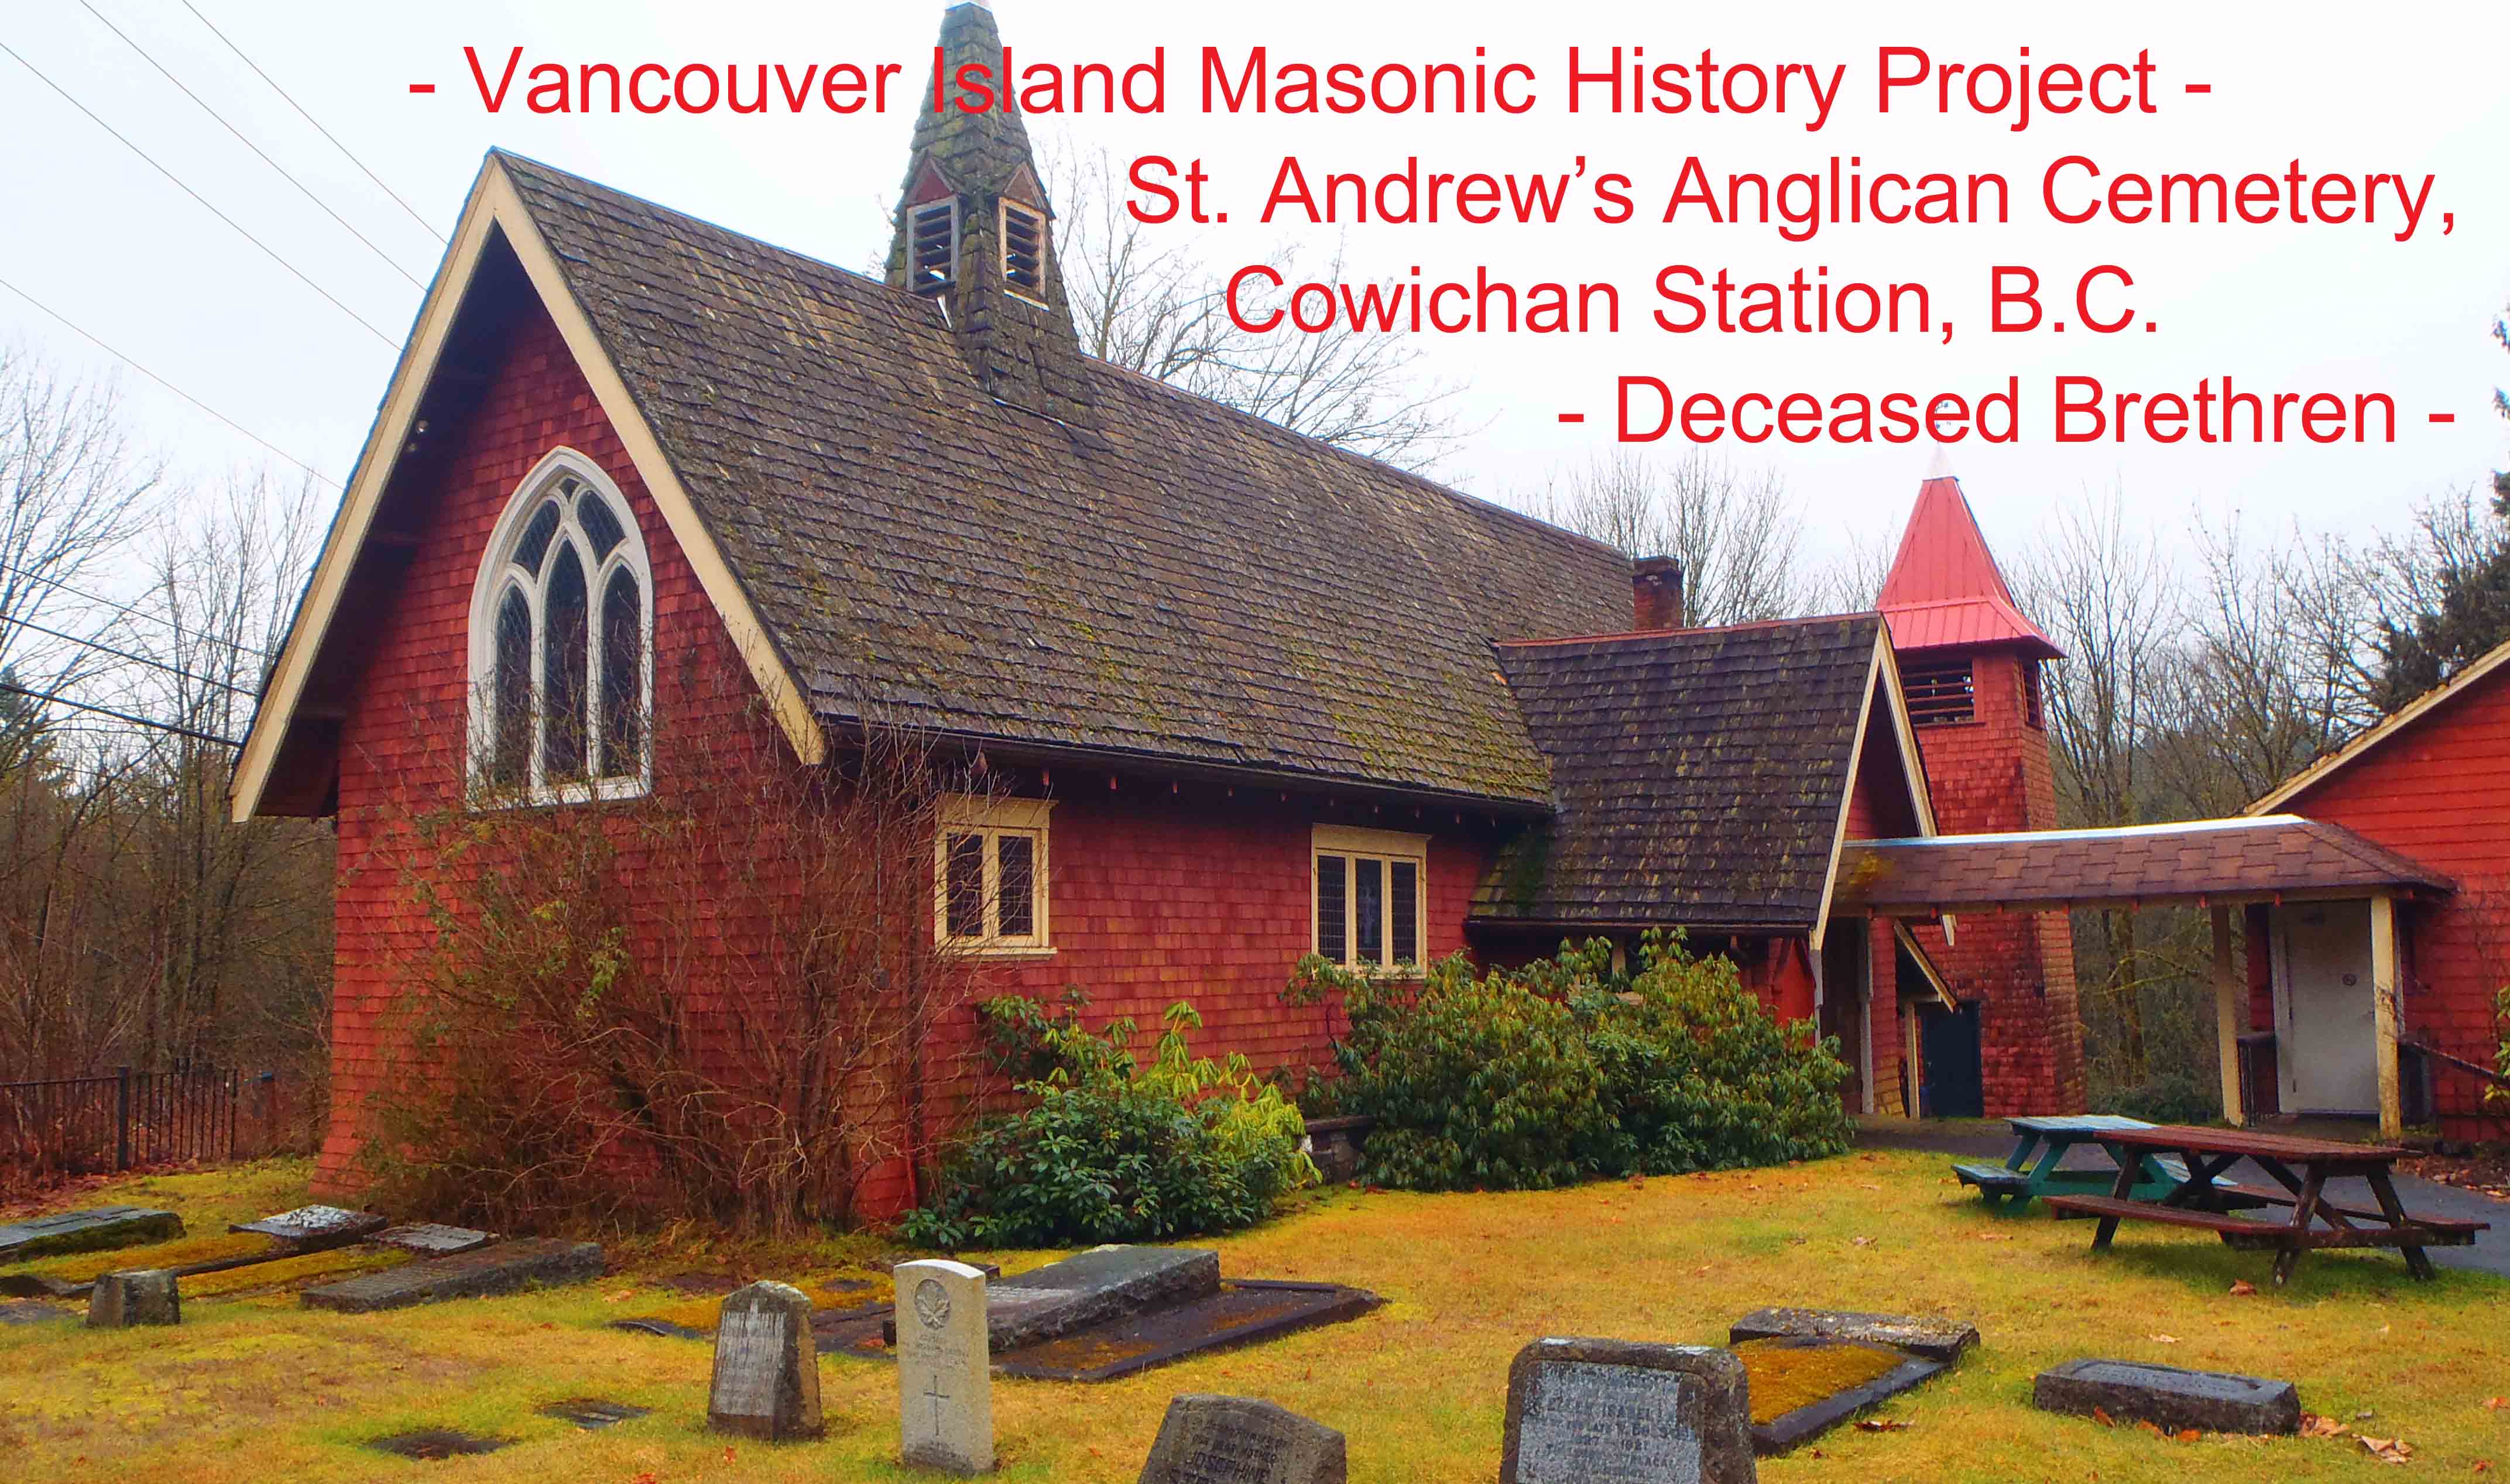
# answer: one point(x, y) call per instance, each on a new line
point(1948, 1050)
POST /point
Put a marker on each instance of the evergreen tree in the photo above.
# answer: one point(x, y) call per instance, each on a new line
point(2473, 614)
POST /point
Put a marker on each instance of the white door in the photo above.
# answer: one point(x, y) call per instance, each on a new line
point(2326, 1025)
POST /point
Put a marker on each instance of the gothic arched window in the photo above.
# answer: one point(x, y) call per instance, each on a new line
point(561, 640)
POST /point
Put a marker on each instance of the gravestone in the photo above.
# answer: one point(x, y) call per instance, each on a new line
point(1094, 1286)
point(945, 1383)
point(1244, 1312)
point(1935, 1339)
point(2168, 1398)
point(766, 1374)
point(1616, 1412)
point(1240, 1440)
point(429, 1239)
point(142, 1296)
point(509, 1267)
point(592, 1413)
point(89, 1231)
point(315, 1225)
point(434, 1445)
point(27, 1311)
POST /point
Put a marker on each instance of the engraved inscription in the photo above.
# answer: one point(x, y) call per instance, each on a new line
point(749, 1359)
point(1591, 1423)
point(932, 1303)
point(1227, 1456)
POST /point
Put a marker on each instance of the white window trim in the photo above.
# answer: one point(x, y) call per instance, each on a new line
point(1003, 209)
point(1351, 843)
point(496, 574)
point(991, 818)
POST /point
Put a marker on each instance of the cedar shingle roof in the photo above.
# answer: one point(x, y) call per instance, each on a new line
point(1699, 773)
point(2216, 858)
point(1202, 587)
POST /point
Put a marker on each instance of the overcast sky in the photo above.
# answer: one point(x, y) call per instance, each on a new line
point(106, 240)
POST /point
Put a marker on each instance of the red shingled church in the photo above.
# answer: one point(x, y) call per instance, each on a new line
point(1250, 695)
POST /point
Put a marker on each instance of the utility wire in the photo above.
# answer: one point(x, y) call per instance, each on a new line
point(273, 253)
point(302, 188)
point(125, 608)
point(310, 119)
point(128, 657)
point(124, 717)
point(65, 321)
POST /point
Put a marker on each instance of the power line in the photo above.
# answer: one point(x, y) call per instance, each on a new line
point(197, 196)
point(301, 187)
point(128, 658)
point(125, 608)
point(124, 717)
point(317, 123)
point(66, 323)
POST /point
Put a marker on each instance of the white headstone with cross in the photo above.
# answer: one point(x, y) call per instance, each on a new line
point(945, 1383)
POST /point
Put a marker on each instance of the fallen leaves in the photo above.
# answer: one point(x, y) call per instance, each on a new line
point(2243, 1288)
point(2165, 1339)
point(2388, 1450)
point(1881, 1424)
point(2314, 1426)
point(2495, 1404)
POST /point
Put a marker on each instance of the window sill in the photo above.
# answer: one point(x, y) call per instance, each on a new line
point(996, 953)
point(484, 800)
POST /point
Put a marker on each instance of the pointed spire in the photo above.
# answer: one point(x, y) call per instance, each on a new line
point(975, 231)
point(1946, 591)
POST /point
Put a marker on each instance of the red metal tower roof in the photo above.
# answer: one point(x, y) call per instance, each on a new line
point(1945, 590)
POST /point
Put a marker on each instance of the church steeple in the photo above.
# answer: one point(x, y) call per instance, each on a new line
point(1945, 590)
point(976, 232)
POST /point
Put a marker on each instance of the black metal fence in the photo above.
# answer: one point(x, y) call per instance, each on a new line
point(94, 1125)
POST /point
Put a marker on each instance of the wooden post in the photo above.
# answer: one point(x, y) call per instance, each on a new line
point(2383, 1006)
point(2231, 1013)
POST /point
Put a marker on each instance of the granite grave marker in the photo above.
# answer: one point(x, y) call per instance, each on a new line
point(315, 1225)
point(2168, 1398)
point(766, 1374)
point(92, 1230)
point(946, 1384)
point(1241, 1440)
point(142, 1296)
point(1616, 1412)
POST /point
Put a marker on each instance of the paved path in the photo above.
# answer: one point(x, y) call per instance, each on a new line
point(1973, 1141)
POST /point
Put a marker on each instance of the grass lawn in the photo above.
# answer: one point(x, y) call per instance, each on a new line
point(251, 1387)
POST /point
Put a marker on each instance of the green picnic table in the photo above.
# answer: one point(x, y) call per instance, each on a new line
point(2039, 1147)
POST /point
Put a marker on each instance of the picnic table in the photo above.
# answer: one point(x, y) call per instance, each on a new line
point(2040, 1146)
point(2301, 1167)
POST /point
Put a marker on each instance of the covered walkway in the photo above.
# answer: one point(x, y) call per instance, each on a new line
point(2322, 908)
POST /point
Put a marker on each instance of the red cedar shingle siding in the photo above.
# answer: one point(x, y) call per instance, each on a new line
point(2153, 864)
point(2439, 790)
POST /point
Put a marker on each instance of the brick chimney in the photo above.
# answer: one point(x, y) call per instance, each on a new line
point(1655, 591)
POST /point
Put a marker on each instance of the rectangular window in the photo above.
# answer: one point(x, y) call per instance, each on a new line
point(990, 875)
point(1024, 250)
point(1940, 693)
point(1369, 902)
point(932, 245)
point(2034, 710)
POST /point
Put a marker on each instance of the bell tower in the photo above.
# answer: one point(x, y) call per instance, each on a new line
point(975, 234)
point(1970, 663)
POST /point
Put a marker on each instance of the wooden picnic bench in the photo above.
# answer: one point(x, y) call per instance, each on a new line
point(2040, 1146)
point(2200, 1201)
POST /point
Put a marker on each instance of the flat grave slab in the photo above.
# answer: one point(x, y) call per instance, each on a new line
point(1616, 1412)
point(2170, 1398)
point(26, 1311)
point(89, 1231)
point(592, 1413)
point(1802, 1385)
point(310, 1227)
point(433, 1445)
point(1093, 1288)
point(506, 1268)
point(861, 1332)
point(1241, 1440)
point(1242, 1312)
point(1935, 1339)
point(429, 1239)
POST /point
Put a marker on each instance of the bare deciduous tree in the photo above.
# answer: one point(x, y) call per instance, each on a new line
point(1732, 530)
point(1145, 300)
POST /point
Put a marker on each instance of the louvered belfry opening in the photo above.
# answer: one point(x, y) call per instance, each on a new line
point(976, 232)
point(1941, 691)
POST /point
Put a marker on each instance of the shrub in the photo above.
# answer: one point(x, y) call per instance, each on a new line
point(1565, 1071)
point(2170, 1099)
point(1111, 1151)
